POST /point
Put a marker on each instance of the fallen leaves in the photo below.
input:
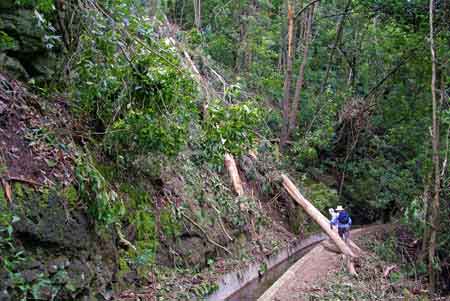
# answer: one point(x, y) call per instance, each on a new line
point(34, 141)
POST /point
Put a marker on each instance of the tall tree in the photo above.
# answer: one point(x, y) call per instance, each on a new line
point(308, 20)
point(198, 14)
point(434, 216)
point(153, 7)
point(287, 77)
point(243, 33)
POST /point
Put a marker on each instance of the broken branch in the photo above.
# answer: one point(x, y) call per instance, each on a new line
point(204, 233)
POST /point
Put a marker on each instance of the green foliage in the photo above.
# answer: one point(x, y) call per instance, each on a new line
point(387, 250)
point(44, 6)
point(376, 185)
point(12, 256)
point(205, 288)
point(71, 195)
point(146, 242)
point(6, 41)
point(103, 203)
point(316, 138)
point(322, 197)
point(169, 226)
point(229, 129)
point(133, 88)
point(141, 214)
point(194, 37)
point(220, 47)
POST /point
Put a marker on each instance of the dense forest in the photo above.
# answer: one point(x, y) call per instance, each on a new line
point(119, 120)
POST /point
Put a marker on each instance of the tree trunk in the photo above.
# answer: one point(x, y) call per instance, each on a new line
point(339, 29)
point(434, 210)
point(426, 208)
point(241, 47)
point(198, 14)
point(301, 74)
point(230, 164)
point(153, 8)
point(282, 54)
point(287, 77)
point(298, 32)
point(252, 12)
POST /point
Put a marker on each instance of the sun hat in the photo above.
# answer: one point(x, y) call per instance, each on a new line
point(339, 208)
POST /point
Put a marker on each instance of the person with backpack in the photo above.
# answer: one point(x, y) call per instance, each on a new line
point(343, 222)
point(333, 213)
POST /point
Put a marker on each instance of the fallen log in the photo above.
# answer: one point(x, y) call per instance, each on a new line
point(230, 164)
point(354, 247)
point(332, 247)
point(316, 216)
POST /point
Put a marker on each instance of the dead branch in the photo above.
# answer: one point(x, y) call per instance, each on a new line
point(122, 239)
point(204, 233)
point(23, 180)
point(7, 189)
point(221, 223)
point(305, 7)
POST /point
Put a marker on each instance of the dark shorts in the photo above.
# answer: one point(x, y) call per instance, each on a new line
point(342, 232)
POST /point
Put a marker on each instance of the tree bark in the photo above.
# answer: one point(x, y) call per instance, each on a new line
point(287, 77)
point(230, 164)
point(242, 43)
point(283, 35)
point(434, 212)
point(301, 74)
point(426, 208)
point(198, 14)
point(153, 7)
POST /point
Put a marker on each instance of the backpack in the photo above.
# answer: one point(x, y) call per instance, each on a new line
point(343, 217)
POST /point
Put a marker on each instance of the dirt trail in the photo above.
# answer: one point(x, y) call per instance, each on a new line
point(310, 270)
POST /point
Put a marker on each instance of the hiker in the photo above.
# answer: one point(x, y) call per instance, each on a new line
point(333, 213)
point(343, 222)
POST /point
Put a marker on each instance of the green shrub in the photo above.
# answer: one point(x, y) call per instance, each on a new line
point(229, 129)
point(103, 203)
point(133, 88)
point(320, 195)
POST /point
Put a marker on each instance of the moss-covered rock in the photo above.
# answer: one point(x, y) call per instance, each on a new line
point(23, 26)
point(12, 67)
point(24, 52)
point(44, 217)
point(63, 258)
point(7, 4)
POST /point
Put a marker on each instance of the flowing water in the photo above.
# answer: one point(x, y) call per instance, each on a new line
point(248, 284)
point(257, 287)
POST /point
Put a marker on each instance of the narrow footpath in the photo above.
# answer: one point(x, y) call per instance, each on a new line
point(310, 270)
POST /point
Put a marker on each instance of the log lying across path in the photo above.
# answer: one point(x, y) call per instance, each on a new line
point(315, 214)
point(323, 223)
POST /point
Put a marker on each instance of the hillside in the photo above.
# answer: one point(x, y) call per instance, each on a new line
point(116, 119)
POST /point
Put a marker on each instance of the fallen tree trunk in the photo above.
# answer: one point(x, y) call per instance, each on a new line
point(332, 247)
point(316, 216)
point(230, 164)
